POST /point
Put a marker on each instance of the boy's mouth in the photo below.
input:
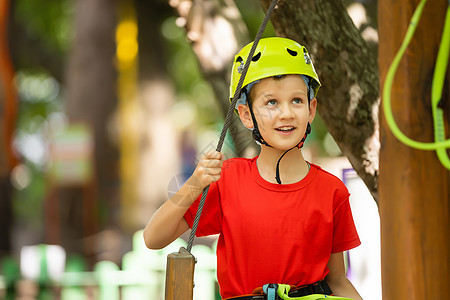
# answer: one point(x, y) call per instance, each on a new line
point(285, 128)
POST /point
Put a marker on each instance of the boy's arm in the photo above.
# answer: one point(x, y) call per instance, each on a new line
point(337, 280)
point(168, 223)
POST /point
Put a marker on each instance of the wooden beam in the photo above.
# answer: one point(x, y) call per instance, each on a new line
point(180, 275)
point(413, 185)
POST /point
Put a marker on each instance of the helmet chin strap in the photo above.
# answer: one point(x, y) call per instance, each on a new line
point(299, 145)
point(255, 132)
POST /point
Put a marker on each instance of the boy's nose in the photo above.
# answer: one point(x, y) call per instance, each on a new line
point(286, 112)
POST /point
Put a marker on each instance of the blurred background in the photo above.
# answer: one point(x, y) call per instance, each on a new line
point(105, 107)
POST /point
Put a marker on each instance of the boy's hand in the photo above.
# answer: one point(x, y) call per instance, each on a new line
point(208, 169)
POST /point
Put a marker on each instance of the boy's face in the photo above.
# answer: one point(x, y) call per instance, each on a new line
point(281, 110)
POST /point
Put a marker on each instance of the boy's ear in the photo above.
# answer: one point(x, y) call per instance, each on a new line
point(312, 109)
point(245, 116)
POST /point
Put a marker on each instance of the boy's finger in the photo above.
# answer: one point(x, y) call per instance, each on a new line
point(213, 163)
point(215, 178)
point(215, 171)
point(213, 154)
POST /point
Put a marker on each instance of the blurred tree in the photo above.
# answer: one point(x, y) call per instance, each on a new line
point(91, 99)
point(38, 35)
point(43, 32)
point(8, 110)
point(158, 148)
point(44, 42)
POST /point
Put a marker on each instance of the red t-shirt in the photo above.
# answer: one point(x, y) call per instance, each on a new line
point(272, 233)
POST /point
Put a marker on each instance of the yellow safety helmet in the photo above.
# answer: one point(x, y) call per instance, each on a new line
point(273, 56)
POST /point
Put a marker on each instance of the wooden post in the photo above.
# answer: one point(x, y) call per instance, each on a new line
point(413, 185)
point(180, 275)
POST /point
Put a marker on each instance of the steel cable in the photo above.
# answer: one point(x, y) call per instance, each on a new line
point(229, 115)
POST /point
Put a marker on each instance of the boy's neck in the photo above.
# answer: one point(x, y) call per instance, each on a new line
point(293, 166)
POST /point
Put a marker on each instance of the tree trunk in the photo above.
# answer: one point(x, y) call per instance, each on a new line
point(217, 32)
point(158, 152)
point(349, 97)
point(91, 99)
point(8, 114)
point(6, 217)
point(414, 186)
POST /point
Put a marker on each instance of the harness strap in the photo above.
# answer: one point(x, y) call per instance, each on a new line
point(319, 290)
point(270, 290)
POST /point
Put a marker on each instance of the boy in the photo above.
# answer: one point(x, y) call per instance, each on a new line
point(280, 219)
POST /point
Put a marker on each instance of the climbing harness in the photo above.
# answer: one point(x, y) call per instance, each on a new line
point(283, 293)
point(440, 144)
point(315, 291)
point(237, 92)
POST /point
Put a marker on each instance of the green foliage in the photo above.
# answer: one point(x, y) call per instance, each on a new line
point(185, 73)
point(253, 15)
point(39, 108)
point(46, 20)
point(39, 97)
point(27, 202)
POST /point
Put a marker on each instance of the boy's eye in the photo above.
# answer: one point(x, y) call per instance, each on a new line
point(272, 102)
point(297, 100)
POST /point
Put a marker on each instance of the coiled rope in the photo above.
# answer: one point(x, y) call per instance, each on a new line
point(440, 145)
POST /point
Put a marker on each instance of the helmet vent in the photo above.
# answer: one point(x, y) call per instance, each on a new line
point(239, 59)
point(306, 56)
point(292, 52)
point(256, 57)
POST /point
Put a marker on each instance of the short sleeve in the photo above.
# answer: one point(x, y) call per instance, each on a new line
point(345, 236)
point(211, 217)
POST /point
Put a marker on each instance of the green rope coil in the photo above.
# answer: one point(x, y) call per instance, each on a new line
point(440, 144)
